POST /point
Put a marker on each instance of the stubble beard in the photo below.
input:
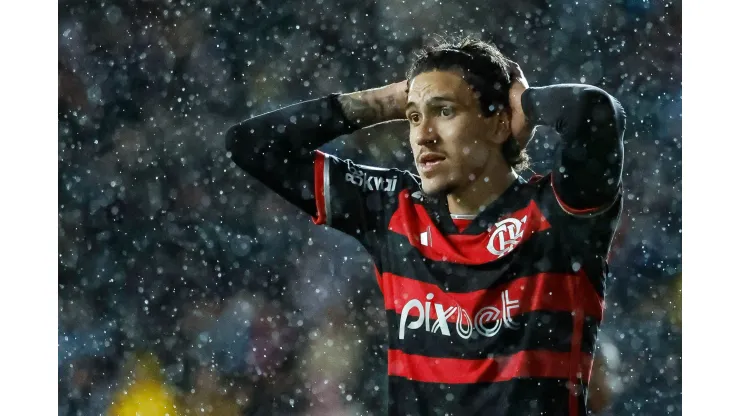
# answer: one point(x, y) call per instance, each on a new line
point(441, 191)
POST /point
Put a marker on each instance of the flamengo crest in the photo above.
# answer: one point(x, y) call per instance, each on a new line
point(507, 234)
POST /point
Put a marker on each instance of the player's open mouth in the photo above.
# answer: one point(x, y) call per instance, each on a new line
point(428, 161)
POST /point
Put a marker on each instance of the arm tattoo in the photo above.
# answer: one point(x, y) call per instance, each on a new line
point(365, 108)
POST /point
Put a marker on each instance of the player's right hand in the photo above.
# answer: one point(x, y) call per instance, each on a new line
point(400, 97)
point(519, 126)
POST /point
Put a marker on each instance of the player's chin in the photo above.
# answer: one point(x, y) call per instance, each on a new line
point(437, 186)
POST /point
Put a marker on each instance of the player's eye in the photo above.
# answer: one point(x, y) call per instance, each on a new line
point(413, 117)
point(446, 111)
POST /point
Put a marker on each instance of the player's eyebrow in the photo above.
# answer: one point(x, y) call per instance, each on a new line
point(434, 100)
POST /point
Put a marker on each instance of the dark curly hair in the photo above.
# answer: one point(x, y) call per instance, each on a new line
point(485, 69)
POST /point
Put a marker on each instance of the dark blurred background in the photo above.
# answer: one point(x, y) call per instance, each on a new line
point(185, 282)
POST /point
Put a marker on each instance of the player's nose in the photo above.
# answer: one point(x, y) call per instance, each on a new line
point(426, 135)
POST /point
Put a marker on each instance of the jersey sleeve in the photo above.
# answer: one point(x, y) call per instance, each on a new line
point(355, 199)
point(280, 149)
point(587, 173)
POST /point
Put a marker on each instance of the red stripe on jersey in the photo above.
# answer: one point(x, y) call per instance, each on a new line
point(412, 221)
point(543, 291)
point(318, 188)
point(525, 364)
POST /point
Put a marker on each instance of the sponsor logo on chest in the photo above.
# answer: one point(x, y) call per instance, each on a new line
point(486, 321)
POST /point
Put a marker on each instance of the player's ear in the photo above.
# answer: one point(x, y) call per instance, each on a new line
point(500, 125)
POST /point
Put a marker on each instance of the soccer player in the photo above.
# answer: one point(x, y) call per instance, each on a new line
point(493, 285)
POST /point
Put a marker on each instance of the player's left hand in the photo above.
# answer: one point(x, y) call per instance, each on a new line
point(521, 131)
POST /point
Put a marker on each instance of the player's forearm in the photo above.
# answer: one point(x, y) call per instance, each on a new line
point(287, 133)
point(301, 128)
point(369, 107)
point(576, 111)
point(591, 126)
point(276, 148)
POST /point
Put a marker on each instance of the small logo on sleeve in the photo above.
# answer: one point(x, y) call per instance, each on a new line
point(369, 182)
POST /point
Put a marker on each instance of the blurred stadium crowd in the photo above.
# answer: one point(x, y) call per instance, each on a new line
point(184, 281)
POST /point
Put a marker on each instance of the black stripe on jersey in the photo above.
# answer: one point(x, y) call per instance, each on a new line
point(537, 330)
point(590, 334)
point(517, 397)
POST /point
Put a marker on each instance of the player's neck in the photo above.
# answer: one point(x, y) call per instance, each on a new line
point(482, 191)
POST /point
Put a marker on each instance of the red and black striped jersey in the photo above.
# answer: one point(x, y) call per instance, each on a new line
point(492, 315)
point(500, 317)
